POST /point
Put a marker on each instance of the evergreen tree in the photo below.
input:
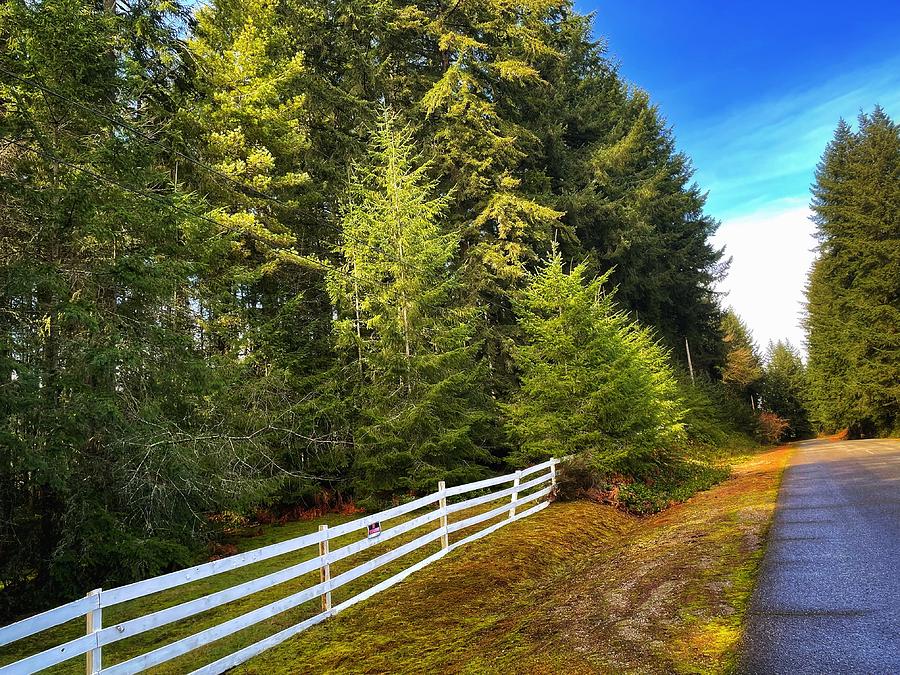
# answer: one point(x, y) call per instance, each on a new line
point(743, 366)
point(423, 409)
point(784, 388)
point(592, 380)
point(465, 72)
point(246, 121)
point(528, 121)
point(265, 313)
point(853, 310)
point(628, 195)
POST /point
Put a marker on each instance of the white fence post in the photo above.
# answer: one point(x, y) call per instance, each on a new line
point(442, 505)
point(325, 569)
point(515, 495)
point(94, 623)
point(553, 462)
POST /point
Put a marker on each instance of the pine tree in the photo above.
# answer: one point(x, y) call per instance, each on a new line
point(592, 380)
point(743, 366)
point(423, 409)
point(854, 290)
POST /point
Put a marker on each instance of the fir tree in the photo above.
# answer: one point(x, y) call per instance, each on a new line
point(853, 320)
point(784, 388)
point(528, 120)
point(421, 398)
point(167, 330)
point(463, 72)
point(98, 353)
point(265, 313)
point(592, 380)
point(628, 196)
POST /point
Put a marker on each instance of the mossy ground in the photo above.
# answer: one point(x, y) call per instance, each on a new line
point(263, 536)
point(579, 587)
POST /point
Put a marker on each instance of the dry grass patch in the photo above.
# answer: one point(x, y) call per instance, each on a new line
point(672, 597)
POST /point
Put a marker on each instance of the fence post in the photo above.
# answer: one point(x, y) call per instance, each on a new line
point(553, 462)
point(515, 494)
point(325, 569)
point(94, 623)
point(442, 505)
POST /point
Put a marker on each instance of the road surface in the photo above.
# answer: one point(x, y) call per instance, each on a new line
point(828, 595)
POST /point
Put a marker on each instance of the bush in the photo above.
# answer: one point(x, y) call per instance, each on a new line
point(771, 427)
point(642, 489)
point(669, 483)
point(578, 478)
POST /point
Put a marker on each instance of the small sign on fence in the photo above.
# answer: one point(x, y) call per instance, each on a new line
point(374, 530)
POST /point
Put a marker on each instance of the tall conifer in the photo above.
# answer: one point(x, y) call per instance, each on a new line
point(853, 320)
point(784, 388)
point(423, 409)
point(97, 256)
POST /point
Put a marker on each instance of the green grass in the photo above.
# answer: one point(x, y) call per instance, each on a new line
point(263, 536)
point(580, 587)
point(709, 642)
point(656, 481)
point(466, 614)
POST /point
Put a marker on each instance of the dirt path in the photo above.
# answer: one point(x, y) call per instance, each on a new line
point(578, 588)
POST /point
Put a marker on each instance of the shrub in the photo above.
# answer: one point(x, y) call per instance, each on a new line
point(669, 482)
point(771, 427)
point(578, 478)
point(642, 488)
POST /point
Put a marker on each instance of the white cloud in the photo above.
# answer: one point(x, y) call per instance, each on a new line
point(758, 164)
point(772, 252)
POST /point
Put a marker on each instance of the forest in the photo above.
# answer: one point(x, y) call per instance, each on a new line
point(293, 254)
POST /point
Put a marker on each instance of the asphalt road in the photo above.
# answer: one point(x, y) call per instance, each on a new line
point(828, 595)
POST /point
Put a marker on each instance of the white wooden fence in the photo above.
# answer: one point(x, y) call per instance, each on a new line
point(520, 493)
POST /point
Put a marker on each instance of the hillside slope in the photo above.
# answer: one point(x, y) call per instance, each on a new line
point(579, 587)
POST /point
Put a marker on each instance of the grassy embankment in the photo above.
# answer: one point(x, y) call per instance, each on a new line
point(578, 586)
point(258, 537)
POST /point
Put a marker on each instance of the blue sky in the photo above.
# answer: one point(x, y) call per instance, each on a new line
point(753, 91)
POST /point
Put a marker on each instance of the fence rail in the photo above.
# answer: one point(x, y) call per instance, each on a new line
point(91, 607)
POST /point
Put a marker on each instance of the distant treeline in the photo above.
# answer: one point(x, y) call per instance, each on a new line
point(276, 249)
